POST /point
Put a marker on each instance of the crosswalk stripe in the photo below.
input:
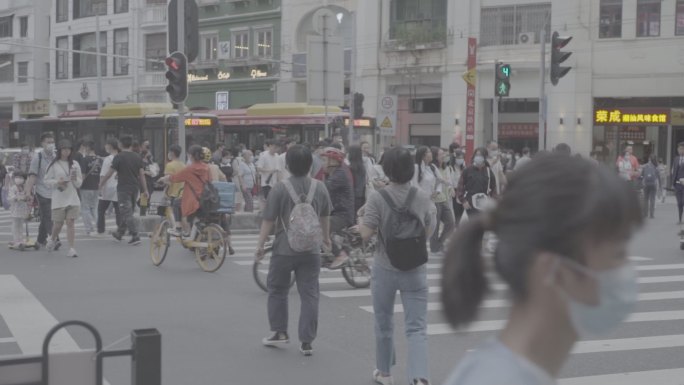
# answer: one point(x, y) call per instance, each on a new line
point(7, 340)
point(624, 344)
point(660, 377)
point(503, 303)
point(494, 325)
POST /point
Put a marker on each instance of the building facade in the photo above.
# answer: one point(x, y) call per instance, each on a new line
point(627, 65)
point(239, 55)
point(133, 44)
point(24, 53)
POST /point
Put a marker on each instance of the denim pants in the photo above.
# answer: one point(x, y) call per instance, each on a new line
point(45, 228)
point(649, 200)
point(413, 289)
point(249, 200)
point(89, 200)
point(126, 205)
point(444, 216)
point(307, 269)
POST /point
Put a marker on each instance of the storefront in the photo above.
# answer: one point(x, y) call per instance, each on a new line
point(645, 129)
point(516, 136)
point(231, 88)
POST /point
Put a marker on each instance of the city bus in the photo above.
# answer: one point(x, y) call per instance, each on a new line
point(156, 122)
point(298, 121)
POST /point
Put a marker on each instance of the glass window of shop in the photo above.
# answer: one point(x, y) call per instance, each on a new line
point(609, 140)
point(648, 18)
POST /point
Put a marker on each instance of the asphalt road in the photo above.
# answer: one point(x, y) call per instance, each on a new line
point(212, 323)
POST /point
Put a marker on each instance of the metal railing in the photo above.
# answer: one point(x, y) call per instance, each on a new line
point(153, 15)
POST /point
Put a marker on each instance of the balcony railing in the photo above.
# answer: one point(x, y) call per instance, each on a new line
point(153, 15)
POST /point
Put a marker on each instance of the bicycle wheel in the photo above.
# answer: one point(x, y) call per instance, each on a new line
point(260, 270)
point(210, 251)
point(357, 272)
point(159, 242)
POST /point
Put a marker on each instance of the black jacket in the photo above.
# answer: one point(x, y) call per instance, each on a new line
point(473, 181)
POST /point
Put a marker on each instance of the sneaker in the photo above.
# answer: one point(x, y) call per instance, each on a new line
point(420, 381)
point(135, 241)
point(117, 235)
point(72, 253)
point(231, 251)
point(41, 245)
point(50, 246)
point(306, 349)
point(382, 380)
point(58, 244)
point(275, 339)
point(173, 232)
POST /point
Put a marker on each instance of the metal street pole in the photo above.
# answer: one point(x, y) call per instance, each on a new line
point(181, 48)
point(325, 74)
point(98, 60)
point(542, 94)
point(352, 80)
point(495, 108)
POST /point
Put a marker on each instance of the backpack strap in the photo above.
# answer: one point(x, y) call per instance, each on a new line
point(388, 199)
point(312, 191)
point(293, 194)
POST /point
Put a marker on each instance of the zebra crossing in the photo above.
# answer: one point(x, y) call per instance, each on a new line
point(6, 227)
point(659, 283)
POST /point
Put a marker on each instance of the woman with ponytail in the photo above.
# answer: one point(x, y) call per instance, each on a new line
point(566, 265)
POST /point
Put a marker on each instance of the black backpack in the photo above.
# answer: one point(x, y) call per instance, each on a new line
point(405, 240)
point(209, 199)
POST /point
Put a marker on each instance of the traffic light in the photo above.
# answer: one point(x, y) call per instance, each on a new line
point(358, 105)
point(502, 82)
point(177, 76)
point(558, 57)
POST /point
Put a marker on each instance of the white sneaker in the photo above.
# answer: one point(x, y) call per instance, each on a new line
point(50, 245)
point(72, 253)
point(382, 380)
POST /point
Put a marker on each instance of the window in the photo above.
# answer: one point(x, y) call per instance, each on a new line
point(6, 26)
point(241, 44)
point(209, 48)
point(120, 6)
point(155, 49)
point(121, 48)
point(424, 106)
point(265, 43)
point(518, 24)
point(648, 18)
point(61, 62)
point(62, 10)
point(22, 72)
point(610, 19)
point(6, 68)
point(418, 21)
point(85, 65)
point(23, 26)
point(87, 8)
point(679, 18)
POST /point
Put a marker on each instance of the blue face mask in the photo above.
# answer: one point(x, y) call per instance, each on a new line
point(460, 162)
point(617, 294)
point(478, 160)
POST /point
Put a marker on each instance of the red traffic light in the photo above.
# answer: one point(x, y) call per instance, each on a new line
point(172, 63)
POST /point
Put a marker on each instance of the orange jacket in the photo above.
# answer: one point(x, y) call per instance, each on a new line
point(194, 176)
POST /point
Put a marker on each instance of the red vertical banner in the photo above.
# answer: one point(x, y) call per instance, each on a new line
point(470, 100)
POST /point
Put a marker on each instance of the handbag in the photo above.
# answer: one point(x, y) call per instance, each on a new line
point(482, 201)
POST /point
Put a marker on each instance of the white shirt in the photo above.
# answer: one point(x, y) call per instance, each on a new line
point(248, 174)
point(494, 363)
point(427, 182)
point(282, 169)
point(497, 169)
point(60, 171)
point(109, 189)
point(270, 163)
point(524, 159)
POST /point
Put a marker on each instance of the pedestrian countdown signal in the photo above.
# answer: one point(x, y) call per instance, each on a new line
point(502, 80)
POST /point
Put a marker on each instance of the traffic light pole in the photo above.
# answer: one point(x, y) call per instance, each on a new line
point(542, 92)
point(495, 107)
point(352, 81)
point(181, 48)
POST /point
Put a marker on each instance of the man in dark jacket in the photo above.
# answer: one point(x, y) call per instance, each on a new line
point(340, 186)
point(677, 178)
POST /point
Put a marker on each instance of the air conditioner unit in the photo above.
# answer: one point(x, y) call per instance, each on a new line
point(526, 38)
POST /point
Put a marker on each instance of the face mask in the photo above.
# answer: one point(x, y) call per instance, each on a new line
point(493, 154)
point(618, 293)
point(50, 147)
point(478, 160)
point(460, 162)
point(19, 181)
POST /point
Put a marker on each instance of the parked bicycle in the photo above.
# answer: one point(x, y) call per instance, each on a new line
point(356, 271)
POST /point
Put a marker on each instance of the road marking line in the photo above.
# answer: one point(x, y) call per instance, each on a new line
point(625, 344)
point(494, 325)
point(28, 320)
point(7, 340)
point(504, 303)
point(660, 377)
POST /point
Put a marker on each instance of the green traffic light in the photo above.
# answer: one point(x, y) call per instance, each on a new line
point(502, 89)
point(506, 70)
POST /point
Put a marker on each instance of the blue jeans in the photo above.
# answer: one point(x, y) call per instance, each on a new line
point(413, 289)
point(89, 199)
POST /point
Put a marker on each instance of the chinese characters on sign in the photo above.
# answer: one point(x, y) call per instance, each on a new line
point(470, 99)
point(622, 116)
point(197, 122)
point(518, 130)
point(628, 133)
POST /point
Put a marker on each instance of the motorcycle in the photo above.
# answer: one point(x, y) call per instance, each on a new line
point(356, 271)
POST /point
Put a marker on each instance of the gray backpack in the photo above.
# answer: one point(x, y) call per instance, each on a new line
point(303, 228)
